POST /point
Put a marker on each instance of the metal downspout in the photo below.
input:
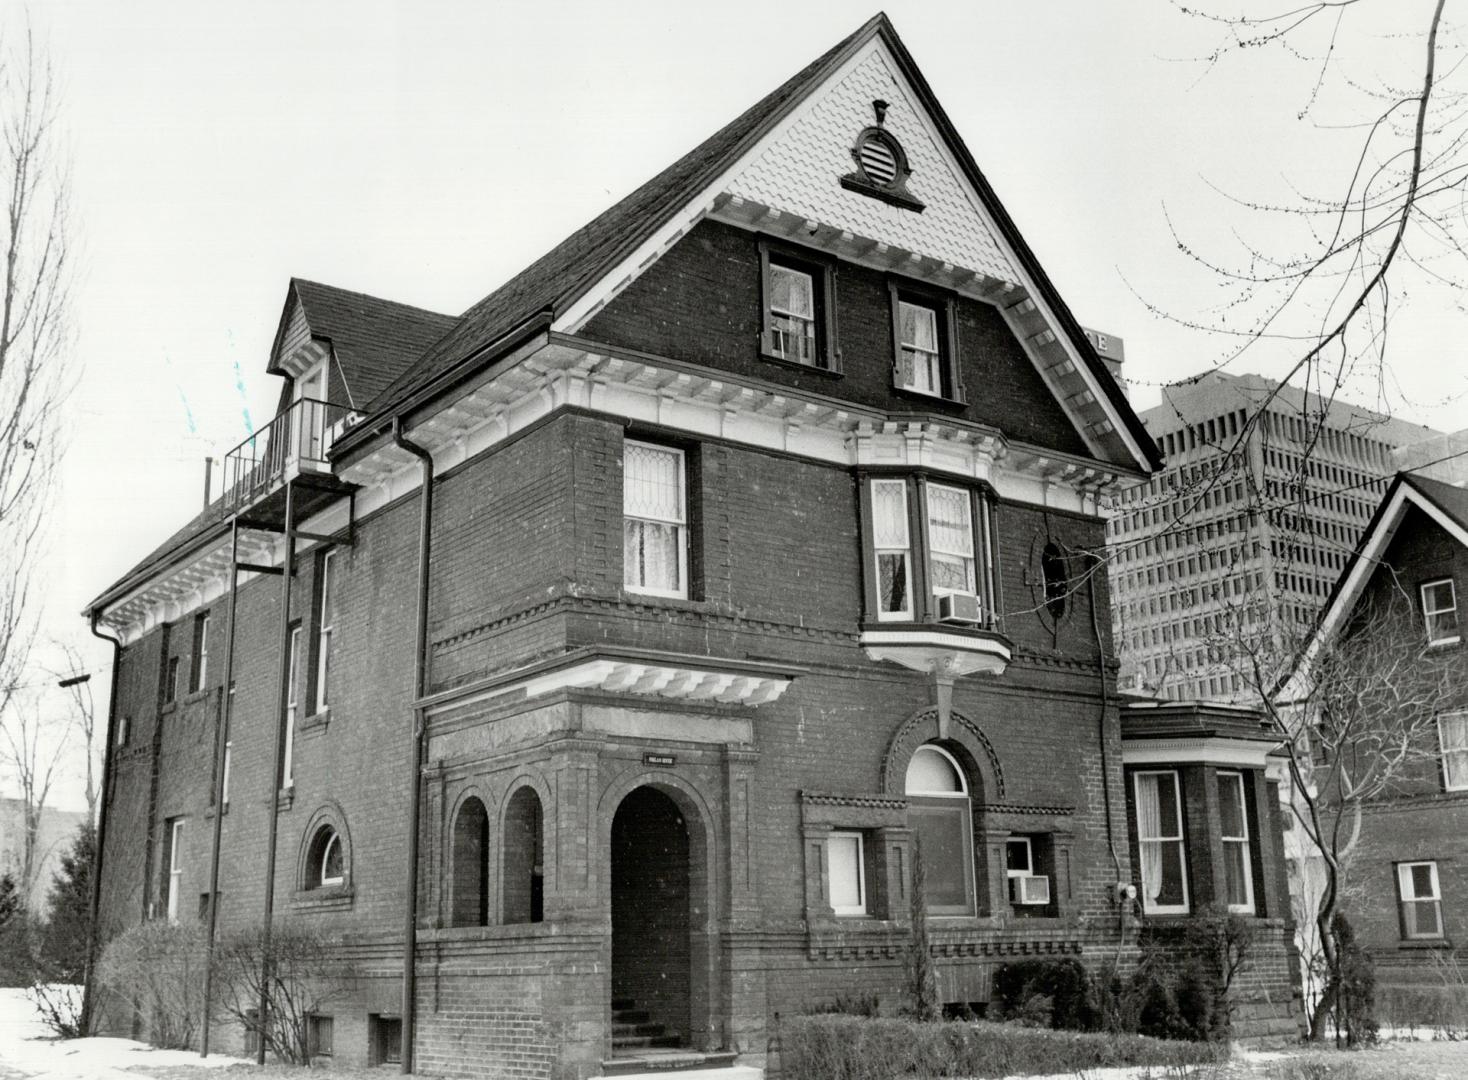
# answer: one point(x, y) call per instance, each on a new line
point(89, 961)
point(420, 676)
point(221, 741)
point(273, 803)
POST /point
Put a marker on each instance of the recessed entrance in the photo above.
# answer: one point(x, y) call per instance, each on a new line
point(653, 924)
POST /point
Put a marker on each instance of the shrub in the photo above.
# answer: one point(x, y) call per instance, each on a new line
point(854, 1048)
point(158, 968)
point(1066, 984)
point(300, 974)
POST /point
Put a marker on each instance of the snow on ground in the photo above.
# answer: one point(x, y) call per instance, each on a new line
point(29, 1049)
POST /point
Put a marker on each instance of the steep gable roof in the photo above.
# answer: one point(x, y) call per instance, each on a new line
point(1443, 503)
point(566, 273)
point(375, 340)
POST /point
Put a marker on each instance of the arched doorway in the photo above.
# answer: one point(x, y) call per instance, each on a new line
point(655, 924)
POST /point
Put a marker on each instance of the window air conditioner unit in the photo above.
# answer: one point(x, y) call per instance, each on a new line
point(960, 608)
point(1030, 888)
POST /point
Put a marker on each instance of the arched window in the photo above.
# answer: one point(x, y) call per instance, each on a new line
point(524, 887)
point(941, 816)
point(1057, 580)
point(469, 890)
point(326, 860)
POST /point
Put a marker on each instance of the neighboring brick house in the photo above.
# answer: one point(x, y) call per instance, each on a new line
point(756, 545)
point(1407, 892)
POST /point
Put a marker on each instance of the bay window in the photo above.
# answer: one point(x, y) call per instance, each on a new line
point(1161, 844)
point(1238, 867)
point(927, 540)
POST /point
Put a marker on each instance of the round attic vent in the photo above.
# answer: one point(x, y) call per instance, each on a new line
point(878, 160)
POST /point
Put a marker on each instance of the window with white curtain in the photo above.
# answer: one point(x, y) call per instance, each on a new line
point(1160, 840)
point(950, 539)
point(1452, 733)
point(892, 549)
point(654, 520)
point(1234, 829)
point(847, 872)
point(1421, 900)
point(919, 361)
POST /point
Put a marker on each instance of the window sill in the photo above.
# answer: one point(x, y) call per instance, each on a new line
point(1425, 943)
point(1444, 643)
point(923, 395)
point(833, 372)
point(316, 722)
point(326, 898)
point(209, 813)
point(285, 798)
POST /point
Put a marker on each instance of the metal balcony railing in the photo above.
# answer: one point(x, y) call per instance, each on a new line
point(296, 441)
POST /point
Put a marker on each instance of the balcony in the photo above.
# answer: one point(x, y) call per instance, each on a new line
point(292, 447)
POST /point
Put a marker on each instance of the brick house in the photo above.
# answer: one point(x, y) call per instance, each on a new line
point(608, 649)
point(1408, 876)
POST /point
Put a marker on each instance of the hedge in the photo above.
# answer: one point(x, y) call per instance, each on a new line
point(861, 1048)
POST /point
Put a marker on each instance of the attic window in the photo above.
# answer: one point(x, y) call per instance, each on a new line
point(881, 165)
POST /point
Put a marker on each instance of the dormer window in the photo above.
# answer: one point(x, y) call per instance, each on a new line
point(881, 165)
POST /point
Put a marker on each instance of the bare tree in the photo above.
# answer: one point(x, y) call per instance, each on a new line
point(35, 337)
point(77, 682)
point(1357, 716)
point(32, 751)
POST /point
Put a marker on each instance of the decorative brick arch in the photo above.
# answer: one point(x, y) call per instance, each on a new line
point(922, 727)
point(327, 815)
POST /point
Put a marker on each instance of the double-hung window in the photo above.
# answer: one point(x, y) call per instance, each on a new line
point(199, 673)
point(924, 346)
point(1160, 840)
point(654, 520)
point(892, 549)
point(1452, 734)
point(323, 633)
point(1440, 612)
point(799, 302)
point(292, 674)
point(950, 540)
point(919, 359)
point(909, 576)
point(173, 858)
point(1421, 900)
point(1238, 869)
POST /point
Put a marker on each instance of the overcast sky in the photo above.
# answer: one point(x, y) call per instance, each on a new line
point(426, 151)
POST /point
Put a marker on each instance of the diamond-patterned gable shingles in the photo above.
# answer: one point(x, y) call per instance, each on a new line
point(800, 173)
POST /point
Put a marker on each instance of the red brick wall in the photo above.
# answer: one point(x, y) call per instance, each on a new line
point(700, 302)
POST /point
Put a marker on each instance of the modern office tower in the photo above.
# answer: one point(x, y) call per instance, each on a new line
point(1265, 492)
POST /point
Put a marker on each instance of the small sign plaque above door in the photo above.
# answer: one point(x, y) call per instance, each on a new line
point(659, 759)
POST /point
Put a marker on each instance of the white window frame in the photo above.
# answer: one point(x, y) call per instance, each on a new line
point(680, 523)
point(288, 766)
point(322, 880)
point(1029, 857)
point(175, 868)
point(906, 614)
point(201, 660)
point(1180, 840)
point(931, 358)
point(323, 637)
point(857, 840)
point(1404, 886)
point(966, 500)
point(1447, 753)
point(1246, 908)
point(1428, 613)
point(224, 782)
